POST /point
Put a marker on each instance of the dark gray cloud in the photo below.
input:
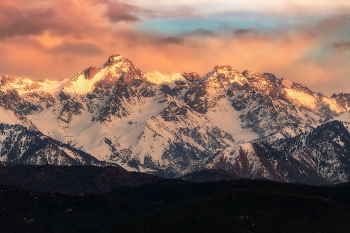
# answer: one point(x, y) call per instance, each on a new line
point(244, 32)
point(337, 22)
point(84, 49)
point(58, 18)
point(201, 32)
point(171, 40)
point(15, 21)
point(119, 11)
point(341, 45)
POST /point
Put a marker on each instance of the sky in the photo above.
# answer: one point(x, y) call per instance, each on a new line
point(307, 42)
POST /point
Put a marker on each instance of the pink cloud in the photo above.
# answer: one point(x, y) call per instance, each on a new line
point(64, 37)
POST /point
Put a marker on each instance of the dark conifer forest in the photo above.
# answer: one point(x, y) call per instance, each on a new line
point(180, 206)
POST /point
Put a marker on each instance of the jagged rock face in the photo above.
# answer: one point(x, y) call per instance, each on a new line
point(32, 103)
point(342, 99)
point(191, 76)
point(117, 70)
point(122, 70)
point(70, 108)
point(196, 98)
point(184, 137)
point(258, 160)
point(110, 109)
point(171, 124)
point(90, 72)
point(270, 77)
point(23, 96)
point(9, 99)
point(266, 104)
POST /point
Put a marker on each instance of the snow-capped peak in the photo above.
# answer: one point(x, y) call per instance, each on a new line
point(114, 59)
point(165, 123)
point(116, 70)
point(193, 76)
point(223, 68)
point(160, 78)
point(223, 75)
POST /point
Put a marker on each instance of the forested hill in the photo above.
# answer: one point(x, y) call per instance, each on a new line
point(181, 206)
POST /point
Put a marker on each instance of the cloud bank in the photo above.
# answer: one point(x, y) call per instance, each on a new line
point(56, 39)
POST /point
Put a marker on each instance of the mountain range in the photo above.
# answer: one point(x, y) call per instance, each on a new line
point(245, 124)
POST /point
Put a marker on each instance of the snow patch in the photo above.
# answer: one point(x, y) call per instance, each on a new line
point(305, 99)
point(288, 84)
point(345, 117)
point(169, 79)
point(54, 87)
point(338, 140)
point(227, 118)
point(8, 117)
point(117, 58)
point(333, 105)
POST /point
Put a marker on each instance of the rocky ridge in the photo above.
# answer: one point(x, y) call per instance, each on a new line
point(168, 124)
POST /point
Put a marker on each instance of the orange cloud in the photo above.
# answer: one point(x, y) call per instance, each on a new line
point(64, 37)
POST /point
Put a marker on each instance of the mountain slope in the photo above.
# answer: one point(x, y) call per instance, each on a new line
point(20, 145)
point(325, 149)
point(320, 156)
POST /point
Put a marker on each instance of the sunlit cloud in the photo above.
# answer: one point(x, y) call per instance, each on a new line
point(56, 39)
